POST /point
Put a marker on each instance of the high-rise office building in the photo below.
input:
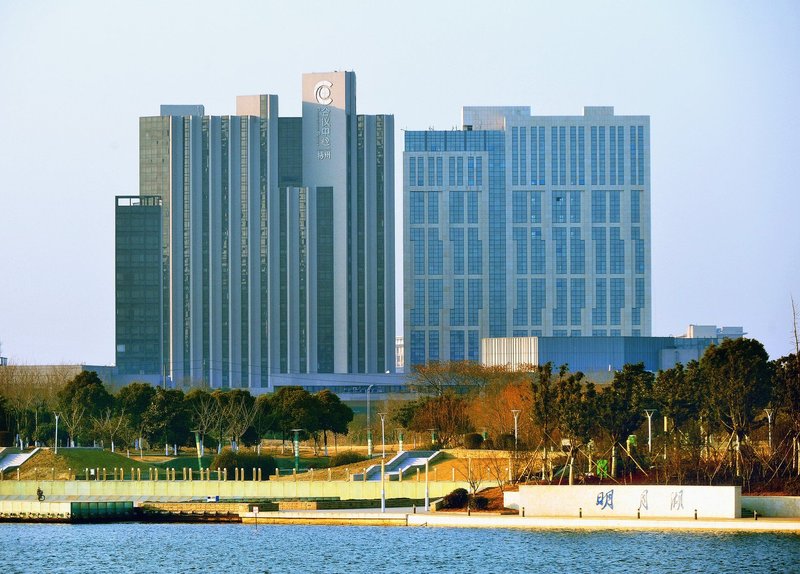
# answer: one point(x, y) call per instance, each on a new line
point(275, 241)
point(521, 225)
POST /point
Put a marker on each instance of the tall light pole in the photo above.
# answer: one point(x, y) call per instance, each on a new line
point(56, 441)
point(649, 413)
point(369, 426)
point(515, 412)
point(296, 449)
point(383, 434)
point(769, 424)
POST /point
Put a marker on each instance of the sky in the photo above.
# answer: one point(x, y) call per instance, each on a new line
point(719, 80)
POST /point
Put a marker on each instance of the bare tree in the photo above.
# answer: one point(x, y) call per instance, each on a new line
point(73, 417)
point(110, 425)
point(205, 412)
point(239, 412)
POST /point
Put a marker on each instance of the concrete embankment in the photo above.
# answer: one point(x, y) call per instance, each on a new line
point(462, 520)
point(488, 520)
point(185, 490)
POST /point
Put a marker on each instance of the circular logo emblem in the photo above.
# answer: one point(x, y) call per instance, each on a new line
point(322, 91)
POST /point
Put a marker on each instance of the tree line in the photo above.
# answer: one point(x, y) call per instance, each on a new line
point(732, 416)
point(138, 413)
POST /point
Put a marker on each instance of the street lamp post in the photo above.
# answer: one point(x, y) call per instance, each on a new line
point(56, 441)
point(515, 412)
point(296, 449)
point(369, 425)
point(769, 426)
point(649, 413)
point(383, 434)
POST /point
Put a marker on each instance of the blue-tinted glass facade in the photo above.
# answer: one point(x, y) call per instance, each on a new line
point(542, 226)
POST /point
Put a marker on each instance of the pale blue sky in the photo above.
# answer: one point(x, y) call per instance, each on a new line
point(720, 80)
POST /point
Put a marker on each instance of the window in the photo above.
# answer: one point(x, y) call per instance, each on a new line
point(599, 240)
point(599, 313)
point(474, 261)
point(456, 345)
point(434, 252)
point(433, 207)
point(577, 252)
point(559, 207)
point(598, 206)
point(474, 302)
point(418, 242)
point(418, 312)
point(457, 312)
point(537, 252)
point(457, 246)
point(536, 207)
point(433, 345)
point(538, 300)
point(417, 208)
point(434, 301)
point(574, 206)
point(521, 309)
point(519, 207)
point(417, 348)
point(560, 310)
point(577, 300)
point(617, 252)
point(613, 206)
point(617, 300)
point(560, 246)
point(636, 199)
point(520, 235)
point(456, 207)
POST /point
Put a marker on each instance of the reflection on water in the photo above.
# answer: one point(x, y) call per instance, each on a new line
point(162, 548)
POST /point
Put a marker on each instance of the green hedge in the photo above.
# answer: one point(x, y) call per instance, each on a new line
point(346, 457)
point(230, 460)
point(472, 441)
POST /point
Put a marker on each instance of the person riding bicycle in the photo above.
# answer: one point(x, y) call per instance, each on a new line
point(39, 494)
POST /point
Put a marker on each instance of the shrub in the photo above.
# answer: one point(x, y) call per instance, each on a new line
point(473, 441)
point(479, 503)
point(346, 457)
point(456, 499)
point(230, 460)
point(6, 438)
point(488, 444)
point(505, 441)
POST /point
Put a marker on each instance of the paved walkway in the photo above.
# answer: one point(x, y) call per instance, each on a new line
point(405, 516)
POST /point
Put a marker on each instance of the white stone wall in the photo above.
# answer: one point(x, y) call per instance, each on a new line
point(618, 501)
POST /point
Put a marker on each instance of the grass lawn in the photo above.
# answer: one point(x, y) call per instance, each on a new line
point(42, 464)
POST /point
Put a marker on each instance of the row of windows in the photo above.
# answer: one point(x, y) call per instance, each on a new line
point(566, 205)
point(458, 350)
point(456, 215)
point(519, 156)
point(569, 255)
point(433, 176)
point(420, 141)
point(533, 301)
point(460, 314)
point(607, 145)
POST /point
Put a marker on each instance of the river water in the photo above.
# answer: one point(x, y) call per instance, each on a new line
point(166, 548)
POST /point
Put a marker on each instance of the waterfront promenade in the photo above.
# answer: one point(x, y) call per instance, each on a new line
point(418, 518)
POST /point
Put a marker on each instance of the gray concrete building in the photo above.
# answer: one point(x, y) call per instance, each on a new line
point(274, 238)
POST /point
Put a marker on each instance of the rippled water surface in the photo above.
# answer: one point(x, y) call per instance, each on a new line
point(162, 548)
